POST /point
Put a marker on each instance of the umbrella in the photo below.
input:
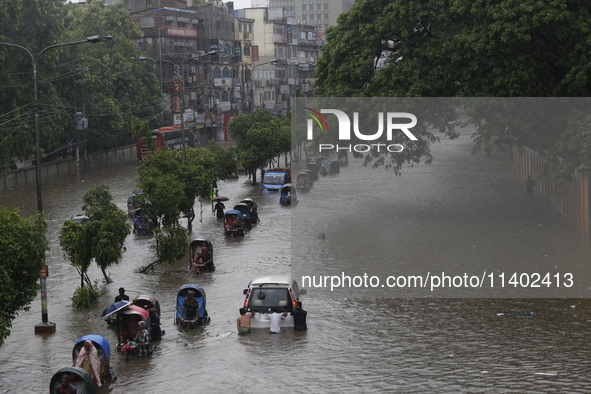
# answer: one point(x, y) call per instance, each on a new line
point(116, 307)
point(220, 198)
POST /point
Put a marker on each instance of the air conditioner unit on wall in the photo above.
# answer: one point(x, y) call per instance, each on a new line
point(200, 53)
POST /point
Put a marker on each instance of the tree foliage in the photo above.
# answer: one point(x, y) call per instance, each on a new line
point(447, 48)
point(260, 137)
point(100, 78)
point(97, 236)
point(170, 186)
point(22, 254)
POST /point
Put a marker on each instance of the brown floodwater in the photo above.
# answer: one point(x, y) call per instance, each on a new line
point(462, 214)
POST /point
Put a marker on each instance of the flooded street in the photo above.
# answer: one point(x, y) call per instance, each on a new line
point(461, 214)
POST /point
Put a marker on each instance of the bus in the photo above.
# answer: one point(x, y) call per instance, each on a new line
point(169, 137)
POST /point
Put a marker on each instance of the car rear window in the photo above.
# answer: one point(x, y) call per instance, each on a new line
point(261, 299)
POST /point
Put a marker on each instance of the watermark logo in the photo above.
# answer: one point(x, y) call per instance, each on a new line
point(318, 118)
point(391, 120)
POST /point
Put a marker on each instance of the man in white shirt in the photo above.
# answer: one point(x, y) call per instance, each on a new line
point(275, 321)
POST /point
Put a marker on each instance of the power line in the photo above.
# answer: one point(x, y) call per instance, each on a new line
point(15, 129)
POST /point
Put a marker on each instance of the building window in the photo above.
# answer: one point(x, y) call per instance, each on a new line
point(226, 73)
point(240, 28)
point(149, 4)
point(228, 49)
point(147, 21)
point(217, 72)
point(247, 50)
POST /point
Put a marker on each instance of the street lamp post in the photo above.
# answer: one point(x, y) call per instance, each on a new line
point(274, 61)
point(45, 325)
point(145, 58)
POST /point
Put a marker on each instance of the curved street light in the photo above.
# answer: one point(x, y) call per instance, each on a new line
point(45, 325)
point(149, 59)
point(274, 62)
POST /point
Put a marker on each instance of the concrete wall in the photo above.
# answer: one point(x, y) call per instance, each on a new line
point(26, 176)
point(572, 199)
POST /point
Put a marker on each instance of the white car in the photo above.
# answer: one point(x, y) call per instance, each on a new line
point(79, 219)
point(266, 292)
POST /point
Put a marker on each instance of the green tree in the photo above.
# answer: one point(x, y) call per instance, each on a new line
point(102, 78)
point(22, 253)
point(97, 236)
point(447, 48)
point(34, 25)
point(170, 186)
point(260, 137)
point(116, 88)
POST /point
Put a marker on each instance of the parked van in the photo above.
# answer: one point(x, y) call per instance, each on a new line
point(266, 292)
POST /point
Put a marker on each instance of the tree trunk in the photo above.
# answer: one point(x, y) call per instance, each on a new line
point(254, 176)
point(107, 279)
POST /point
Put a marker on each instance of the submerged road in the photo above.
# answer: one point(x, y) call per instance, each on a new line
point(463, 213)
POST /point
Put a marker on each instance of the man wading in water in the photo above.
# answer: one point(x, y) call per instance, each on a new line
point(243, 322)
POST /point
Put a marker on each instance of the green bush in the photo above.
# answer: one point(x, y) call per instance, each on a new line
point(84, 297)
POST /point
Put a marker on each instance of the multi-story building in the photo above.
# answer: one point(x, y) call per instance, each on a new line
point(322, 13)
point(244, 28)
point(180, 38)
point(287, 52)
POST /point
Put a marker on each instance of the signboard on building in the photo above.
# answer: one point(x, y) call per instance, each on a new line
point(284, 89)
point(177, 78)
point(254, 52)
point(181, 31)
point(176, 104)
point(214, 45)
point(304, 66)
point(176, 119)
point(227, 119)
point(289, 35)
point(318, 33)
point(189, 116)
point(224, 106)
point(312, 35)
point(238, 50)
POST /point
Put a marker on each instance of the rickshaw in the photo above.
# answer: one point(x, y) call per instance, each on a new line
point(334, 167)
point(186, 317)
point(147, 302)
point(133, 204)
point(246, 215)
point(233, 223)
point(79, 378)
point(303, 181)
point(142, 224)
point(288, 195)
point(254, 210)
point(104, 353)
point(313, 167)
point(127, 322)
point(201, 255)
